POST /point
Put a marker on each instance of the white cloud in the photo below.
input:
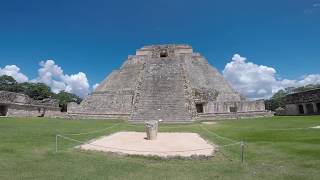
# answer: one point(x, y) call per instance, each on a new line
point(258, 81)
point(77, 83)
point(52, 75)
point(94, 87)
point(14, 71)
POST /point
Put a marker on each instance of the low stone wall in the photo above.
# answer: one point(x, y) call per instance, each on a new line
point(97, 116)
point(240, 106)
point(238, 115)
point(19, 110)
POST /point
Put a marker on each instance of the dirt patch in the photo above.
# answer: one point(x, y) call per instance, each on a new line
point(209, 122)
point(166, 144)
point(316, 127)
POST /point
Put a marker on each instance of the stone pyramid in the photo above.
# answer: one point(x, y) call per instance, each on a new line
point(165, 82)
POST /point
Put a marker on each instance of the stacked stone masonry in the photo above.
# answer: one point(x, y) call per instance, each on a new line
point(169, 83)
point(303, 103)
point(20, 105)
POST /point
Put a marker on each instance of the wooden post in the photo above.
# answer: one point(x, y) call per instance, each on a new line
point(57, 142)
point(242, 151)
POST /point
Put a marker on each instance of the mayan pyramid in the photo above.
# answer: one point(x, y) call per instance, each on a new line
point(165, 82)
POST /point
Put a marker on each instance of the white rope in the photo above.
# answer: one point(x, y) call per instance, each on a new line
point(232, 144)
point(92, 132)
point(288, 129)
point(221, 137)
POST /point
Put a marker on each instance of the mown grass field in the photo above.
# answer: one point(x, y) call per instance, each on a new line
point(273, 151)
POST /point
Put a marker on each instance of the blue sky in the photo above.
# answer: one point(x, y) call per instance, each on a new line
point(95, 37)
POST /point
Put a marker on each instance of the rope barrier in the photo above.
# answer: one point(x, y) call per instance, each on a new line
point(221, 137)
point(133, 150)
point(232, 144)
point(92, 132)
point(288, 129)
point(64, 136)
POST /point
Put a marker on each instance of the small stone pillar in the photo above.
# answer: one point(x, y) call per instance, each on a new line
point(152, 130)
point(305, 109)
point(315, 108)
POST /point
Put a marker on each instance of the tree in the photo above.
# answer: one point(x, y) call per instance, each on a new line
point(37, 91)
point(8, 83)
point(64, 98)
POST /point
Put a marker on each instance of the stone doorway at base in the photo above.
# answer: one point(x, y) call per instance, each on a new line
point(3, 110)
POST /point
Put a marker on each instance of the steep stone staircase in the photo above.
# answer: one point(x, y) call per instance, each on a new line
point(163, 92)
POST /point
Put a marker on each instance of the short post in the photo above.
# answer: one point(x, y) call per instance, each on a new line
point(242, 151)
point(57, 142)
point(151, 130)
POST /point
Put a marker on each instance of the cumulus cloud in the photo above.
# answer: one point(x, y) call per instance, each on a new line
point(52, 75)
point(94, 87)
point(258, 81)
point(14, 71)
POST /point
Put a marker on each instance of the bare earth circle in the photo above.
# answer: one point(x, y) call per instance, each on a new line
point(166, 144)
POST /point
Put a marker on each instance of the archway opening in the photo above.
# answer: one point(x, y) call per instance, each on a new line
point(163, 54)
point(310, 109)
point(233, 109)
point(199, 108)
point(301, 110)
point(3, 110)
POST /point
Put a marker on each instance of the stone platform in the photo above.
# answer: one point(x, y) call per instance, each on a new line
point(166, 144)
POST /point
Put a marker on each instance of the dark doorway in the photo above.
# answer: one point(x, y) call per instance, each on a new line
point(3, 110)
point(310, 109)
point(233, 109)
point(301, 110)
point(199, 108)
point(163, 54)
point(318, 107)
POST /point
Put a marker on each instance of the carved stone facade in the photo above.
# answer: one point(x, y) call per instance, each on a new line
point(167, 82)
point(20, 105)
point(303, 103)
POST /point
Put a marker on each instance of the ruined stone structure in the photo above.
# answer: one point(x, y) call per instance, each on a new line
point(167, 82)
point(303, 103)
point(20, 105)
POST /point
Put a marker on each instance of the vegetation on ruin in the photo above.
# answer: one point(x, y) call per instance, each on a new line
point(278, 99)
point(274, 149)
point(37, 91)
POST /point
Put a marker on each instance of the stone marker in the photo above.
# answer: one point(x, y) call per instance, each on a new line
point(152, 130)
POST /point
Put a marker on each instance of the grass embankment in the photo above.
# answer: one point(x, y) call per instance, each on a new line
point(27, 151)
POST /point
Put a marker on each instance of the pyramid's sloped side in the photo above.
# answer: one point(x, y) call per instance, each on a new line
point(123, 79)
point(115, 94)
point(204, 77)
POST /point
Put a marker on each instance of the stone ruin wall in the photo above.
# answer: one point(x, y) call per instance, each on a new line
point(20, 105)
point(309, 100)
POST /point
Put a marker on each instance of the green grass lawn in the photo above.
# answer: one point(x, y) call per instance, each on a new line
point(27, 151)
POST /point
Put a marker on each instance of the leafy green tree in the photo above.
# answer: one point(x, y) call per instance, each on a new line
point(64, 98)
point(8, 83)
point(37, 91)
